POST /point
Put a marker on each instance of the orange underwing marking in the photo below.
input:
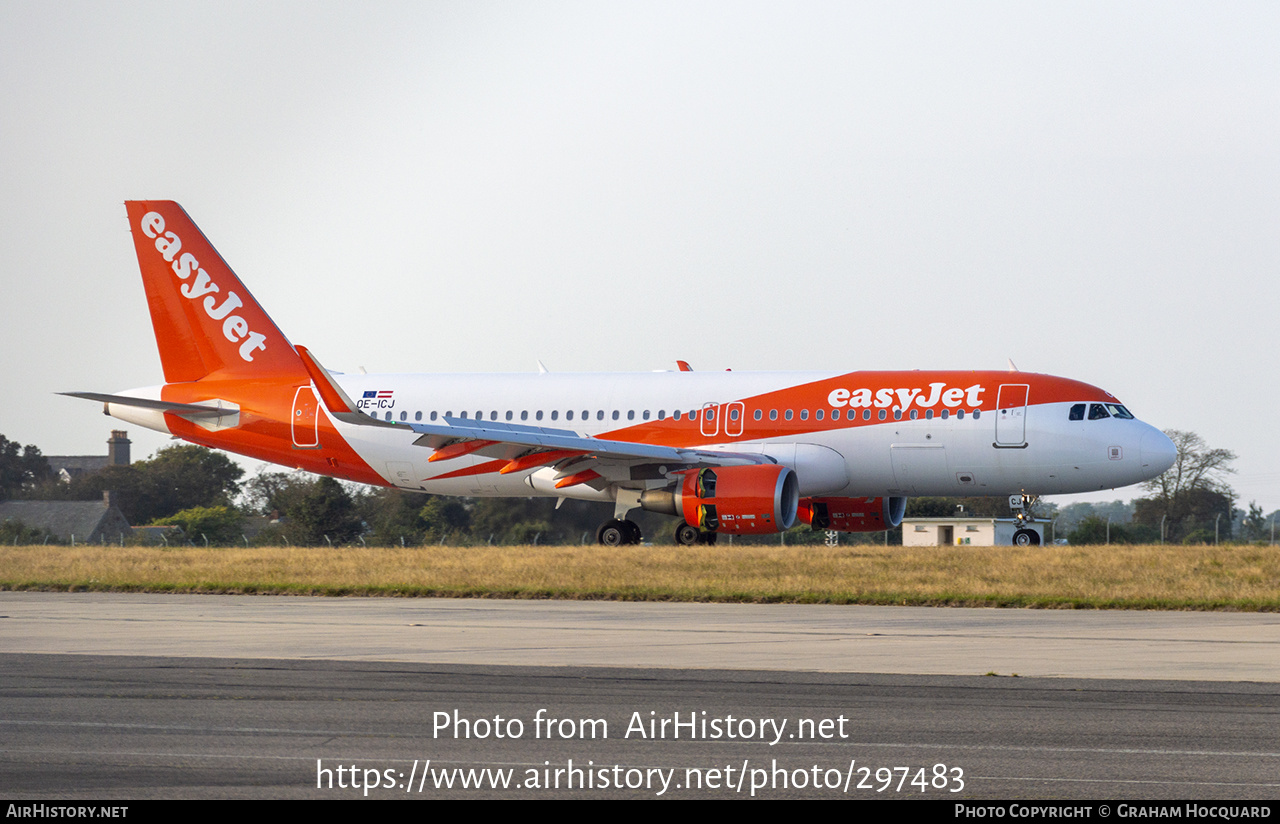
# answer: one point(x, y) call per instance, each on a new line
point(457, 450)
point(479, 469)
point(578, 478)
point(538, 459)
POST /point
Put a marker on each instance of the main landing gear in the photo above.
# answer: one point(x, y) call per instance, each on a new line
point(618, 532)
point(621, 532)
point(688, 535)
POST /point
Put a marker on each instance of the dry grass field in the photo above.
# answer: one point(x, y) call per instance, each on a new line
point(1240, 577)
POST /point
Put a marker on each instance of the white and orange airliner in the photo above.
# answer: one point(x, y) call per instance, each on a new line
point(724, 452)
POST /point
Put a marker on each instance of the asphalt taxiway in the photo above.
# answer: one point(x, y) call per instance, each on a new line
point(186, 696)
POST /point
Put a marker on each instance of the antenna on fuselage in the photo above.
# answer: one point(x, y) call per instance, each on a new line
point(1012, 367)
point(542, 368)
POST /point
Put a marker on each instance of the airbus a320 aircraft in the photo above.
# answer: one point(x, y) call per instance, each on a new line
point(724, 452)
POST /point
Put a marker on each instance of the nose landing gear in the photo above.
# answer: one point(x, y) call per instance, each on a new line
point(1021, 506)
point(1026, 537)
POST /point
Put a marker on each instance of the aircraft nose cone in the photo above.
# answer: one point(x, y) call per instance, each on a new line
point(1157, 451)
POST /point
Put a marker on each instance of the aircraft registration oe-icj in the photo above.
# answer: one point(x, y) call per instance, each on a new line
point(725, 452)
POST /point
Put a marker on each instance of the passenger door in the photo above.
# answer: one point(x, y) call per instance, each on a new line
point(1011, 415)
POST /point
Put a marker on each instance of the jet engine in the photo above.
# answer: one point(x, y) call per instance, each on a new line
point(746, 500)
point(853, 514)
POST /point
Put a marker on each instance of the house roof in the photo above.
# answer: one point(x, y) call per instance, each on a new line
point(84, 463)
point(63, 518)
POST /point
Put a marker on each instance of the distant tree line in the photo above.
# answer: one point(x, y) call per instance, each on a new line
point(203, 493)
point(22, 469)
point(1190, 503)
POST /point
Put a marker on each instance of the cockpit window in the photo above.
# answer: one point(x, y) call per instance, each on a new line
point(1119, 411)
point(1098, 411)
point(1077, 412)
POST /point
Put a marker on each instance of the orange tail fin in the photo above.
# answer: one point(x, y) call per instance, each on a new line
point(205, 320)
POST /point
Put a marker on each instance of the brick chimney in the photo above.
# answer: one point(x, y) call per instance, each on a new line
point(118, 448)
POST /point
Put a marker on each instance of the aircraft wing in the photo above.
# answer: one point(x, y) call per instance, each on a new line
point(577, 458)
point(523, 447)
point(454, 429)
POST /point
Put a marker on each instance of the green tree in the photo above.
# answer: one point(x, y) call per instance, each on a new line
point(325, 512)
point(277, 492)
point(1191, 511)
point(441, 517)
point(21, 468)
point(501, 518)
point(1254, 526)
point(1071, 515)
point(14, 531)
point(392, 515)
point(1094, 529)
point(974, 507)
point(187, 475)
point(1193, 493)
point(219, 524)
point(178, 477)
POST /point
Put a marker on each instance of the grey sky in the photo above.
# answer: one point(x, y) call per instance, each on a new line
point(1091, 189)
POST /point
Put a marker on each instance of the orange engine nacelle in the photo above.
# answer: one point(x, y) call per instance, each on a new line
point(853, 514)
point(745, 500)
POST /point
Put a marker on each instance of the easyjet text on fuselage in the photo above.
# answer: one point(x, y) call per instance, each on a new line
point(902, 398)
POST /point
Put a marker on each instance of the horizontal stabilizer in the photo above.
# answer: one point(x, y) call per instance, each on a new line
point(188, 410)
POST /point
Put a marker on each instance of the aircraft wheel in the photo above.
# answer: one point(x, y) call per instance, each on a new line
point(686, 535)
point(1026, 537)
point(618, 532)
point(611, 533)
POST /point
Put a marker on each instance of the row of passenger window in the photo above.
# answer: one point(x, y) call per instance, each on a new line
point(710, 415)
point(555, 415)
point(881, 414)
point(1098, 411)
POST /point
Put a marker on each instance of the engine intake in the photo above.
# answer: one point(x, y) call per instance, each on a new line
point(743, 500)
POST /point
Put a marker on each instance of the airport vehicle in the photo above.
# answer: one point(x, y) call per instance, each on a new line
point(724, 452)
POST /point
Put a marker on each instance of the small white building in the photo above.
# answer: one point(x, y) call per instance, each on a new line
point(967, 531)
